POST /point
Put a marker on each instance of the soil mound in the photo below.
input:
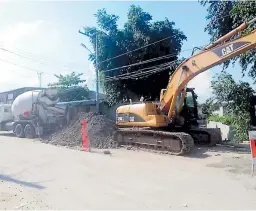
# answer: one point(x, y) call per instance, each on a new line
point(99, 127)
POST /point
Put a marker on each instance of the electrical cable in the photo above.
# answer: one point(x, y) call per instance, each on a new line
point(147, 68)
point(28, 68)
point(23, 56)
point(143, 46)
point(143, 75)
point(31, 55)
point(134, 50)
point(143, 62)
point(152, 70)
point(32, 59)
point(140, 70)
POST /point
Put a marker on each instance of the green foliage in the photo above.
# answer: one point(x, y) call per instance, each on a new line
point(209, 106)
point(234, 13)
point(228, 120)
point(73, 94)
point(66, 81)
point(138, 30)
point(68, 87)
point(235, 97)
point(238, 123)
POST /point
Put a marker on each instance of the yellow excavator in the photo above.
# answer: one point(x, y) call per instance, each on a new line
point(171, 125)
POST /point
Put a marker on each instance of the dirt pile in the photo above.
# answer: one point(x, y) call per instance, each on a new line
point(99, 127)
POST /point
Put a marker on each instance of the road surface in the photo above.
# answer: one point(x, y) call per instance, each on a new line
point(34, 175)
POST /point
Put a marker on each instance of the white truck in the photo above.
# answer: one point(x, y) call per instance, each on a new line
point(32, 114)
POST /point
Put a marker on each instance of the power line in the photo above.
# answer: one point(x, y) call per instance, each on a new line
point(134, 50)
point(30, 55)
point(20, 55)
point(139, 73)
point(152, 73)
point(154, 70)
point(141, 70)
point(143, 62)
point(28, 68)
point(144, 46)
point(149, 44)
point(32, 59)
point(151, 60)
point(147, 68)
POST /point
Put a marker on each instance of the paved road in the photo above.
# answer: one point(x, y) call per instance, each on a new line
point(40, 176)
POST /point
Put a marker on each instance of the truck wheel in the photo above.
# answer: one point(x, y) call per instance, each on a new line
point(29, 131)
point(19, 132)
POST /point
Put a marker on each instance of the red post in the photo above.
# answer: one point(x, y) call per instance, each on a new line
point(252, 137)
point(85, 138)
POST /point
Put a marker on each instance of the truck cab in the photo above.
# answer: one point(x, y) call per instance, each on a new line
point(6, 116)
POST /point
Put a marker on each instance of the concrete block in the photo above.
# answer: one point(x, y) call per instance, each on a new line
point(227, 132)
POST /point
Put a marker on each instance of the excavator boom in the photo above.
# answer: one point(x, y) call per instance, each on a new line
point(212, 55)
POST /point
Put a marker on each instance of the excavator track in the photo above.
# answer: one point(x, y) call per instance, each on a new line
point(174, 143)
point(206, 136)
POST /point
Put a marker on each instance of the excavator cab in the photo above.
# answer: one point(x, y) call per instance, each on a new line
point(189, 109)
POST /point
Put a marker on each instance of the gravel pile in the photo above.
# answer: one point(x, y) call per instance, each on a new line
point(99, 127)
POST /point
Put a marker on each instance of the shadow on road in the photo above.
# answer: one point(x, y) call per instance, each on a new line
point(204, 152)
point(7, 134)
point(20, 182)
point(230, 148)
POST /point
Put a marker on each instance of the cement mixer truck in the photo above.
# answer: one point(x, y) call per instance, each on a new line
point(32, 114)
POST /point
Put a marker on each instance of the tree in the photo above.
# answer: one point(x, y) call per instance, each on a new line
point(66, 81)
point(68, 87)
point(138, 31)
point(236, 96)
point(209, 106)
point(223, 16)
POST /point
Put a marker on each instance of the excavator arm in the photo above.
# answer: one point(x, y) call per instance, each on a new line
point(171, 100)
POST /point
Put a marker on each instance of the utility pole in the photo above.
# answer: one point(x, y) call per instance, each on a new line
point(39, 74)
point(96, 68)
point(97, 75)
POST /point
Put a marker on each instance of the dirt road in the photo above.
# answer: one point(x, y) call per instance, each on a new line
point(40, 176)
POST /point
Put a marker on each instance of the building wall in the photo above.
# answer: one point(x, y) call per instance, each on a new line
point(219, 112)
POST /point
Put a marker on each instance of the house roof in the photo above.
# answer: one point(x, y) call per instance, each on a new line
point(14, 90)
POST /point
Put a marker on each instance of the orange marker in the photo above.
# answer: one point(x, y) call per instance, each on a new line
point(85, 138)
point(252, 137)
point(253, 149)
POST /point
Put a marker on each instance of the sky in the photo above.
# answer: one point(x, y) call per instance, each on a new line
point(42, 36)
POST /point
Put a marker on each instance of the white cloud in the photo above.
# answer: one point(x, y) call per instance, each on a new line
point(15, 33)
point(39, 38)
point(202, 85)
point(46, 43)
point(92, 69)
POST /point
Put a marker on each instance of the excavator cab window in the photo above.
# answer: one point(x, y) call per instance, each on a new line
point(190, 100)
point(189, 109)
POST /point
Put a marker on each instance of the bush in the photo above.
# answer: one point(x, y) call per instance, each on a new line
point(73, 94)
point(239, 123)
